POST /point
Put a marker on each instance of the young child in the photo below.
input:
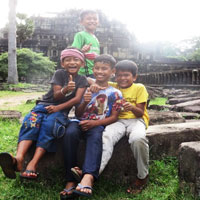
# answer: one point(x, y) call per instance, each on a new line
point(133, 121)
point(47, 120)
point(95, 112)
point(86, 40)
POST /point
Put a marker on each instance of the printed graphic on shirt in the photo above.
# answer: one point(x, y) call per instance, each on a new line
point(102, 104)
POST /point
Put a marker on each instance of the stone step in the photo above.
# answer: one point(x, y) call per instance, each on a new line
point(165, 139)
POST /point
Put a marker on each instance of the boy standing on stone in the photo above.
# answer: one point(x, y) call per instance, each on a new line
point(87, 41)
point(94, 112)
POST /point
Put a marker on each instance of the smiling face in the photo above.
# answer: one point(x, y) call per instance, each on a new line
point(125, 79)
point(72, 64)
point(90, 21)
point(102, 72)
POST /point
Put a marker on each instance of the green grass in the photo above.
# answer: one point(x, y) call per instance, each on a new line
point(163, 180)
point(158, 101)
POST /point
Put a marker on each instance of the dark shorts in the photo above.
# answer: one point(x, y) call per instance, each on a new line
point(44, 128)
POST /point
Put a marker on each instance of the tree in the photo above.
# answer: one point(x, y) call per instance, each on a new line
point(12, 67)
point(25, 28)
point(31, 65)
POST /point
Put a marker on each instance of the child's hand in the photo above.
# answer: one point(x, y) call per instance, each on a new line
point(52, 109)
point(71, 84)
point(86, 47)
point(87, 96)
point(127, 106)
point(94, 88)
point(87, 124)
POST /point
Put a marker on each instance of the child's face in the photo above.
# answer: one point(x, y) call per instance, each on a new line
point(125, 78)
point(102, 72)
point(72, 64)
point(90, 22)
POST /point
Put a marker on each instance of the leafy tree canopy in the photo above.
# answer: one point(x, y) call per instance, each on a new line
point(30, 65)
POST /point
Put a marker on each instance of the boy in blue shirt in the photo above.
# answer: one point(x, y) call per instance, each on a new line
point(94, 112)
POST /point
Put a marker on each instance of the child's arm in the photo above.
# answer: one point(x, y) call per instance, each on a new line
point(86, 99)
point(68, 104)
point(59, 92)
point(88, 124)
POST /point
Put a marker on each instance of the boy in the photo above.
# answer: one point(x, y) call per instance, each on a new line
point(86, 40)
point(133, 121)
point(95, 111)
point(49, 117)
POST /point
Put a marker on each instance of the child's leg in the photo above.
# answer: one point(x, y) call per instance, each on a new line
point(111, 135)
point(93, 151)
point(32, 165)
point(22, 149)
point(139, 145)
point(70, 146)
point(92, 160)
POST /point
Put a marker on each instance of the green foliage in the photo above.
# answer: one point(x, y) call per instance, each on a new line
point(195, 56)
point(158, 101)
point(30, 65)
point(25, 28)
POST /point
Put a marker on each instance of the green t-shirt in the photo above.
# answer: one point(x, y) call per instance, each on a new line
point(82, 38)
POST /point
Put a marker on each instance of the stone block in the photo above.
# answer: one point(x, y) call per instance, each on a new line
point(121, 167)
point(165, 139)
point(189, 165)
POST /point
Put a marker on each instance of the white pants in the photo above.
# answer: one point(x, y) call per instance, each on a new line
point(134, 129)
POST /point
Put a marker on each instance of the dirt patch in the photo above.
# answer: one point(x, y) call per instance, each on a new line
point(6, 102)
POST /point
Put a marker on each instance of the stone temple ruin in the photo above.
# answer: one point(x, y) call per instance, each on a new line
point(174, 129)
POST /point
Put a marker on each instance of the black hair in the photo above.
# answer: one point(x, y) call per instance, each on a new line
point(106, 58)
point(86, 12)
point(127, 65)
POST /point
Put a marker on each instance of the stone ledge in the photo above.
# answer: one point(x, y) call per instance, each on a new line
point(165, 139)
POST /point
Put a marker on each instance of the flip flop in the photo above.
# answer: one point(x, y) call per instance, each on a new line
point(68, 196)
point(83, 193)
point(76, 174)
point(8, 166)
point(29, 174)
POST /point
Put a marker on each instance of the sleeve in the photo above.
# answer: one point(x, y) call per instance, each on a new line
point(57, 79)
point(113, 84)
point(142, 94)
point(78, 41)
point(82, 83)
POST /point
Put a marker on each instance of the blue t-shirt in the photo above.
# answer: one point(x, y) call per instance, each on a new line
point(102, 103)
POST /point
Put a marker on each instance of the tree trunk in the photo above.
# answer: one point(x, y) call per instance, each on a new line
point(12, 58)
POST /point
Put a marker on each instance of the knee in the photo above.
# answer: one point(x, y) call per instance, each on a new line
point(139, 141)
point(72, 131)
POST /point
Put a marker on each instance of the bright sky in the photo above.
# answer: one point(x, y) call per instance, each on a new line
point(149, 20)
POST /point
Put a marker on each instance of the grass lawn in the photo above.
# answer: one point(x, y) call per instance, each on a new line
point(163, 182)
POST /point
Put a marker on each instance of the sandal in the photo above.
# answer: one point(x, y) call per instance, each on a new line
point(68, 196)
point(83, 193)
point(8, 164)
point(29, 174)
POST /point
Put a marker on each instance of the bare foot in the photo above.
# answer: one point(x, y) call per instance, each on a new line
point(87, 180)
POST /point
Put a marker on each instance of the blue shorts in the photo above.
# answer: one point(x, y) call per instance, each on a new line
point(43, 127)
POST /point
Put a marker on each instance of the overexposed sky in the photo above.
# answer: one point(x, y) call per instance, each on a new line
point(149, 20)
